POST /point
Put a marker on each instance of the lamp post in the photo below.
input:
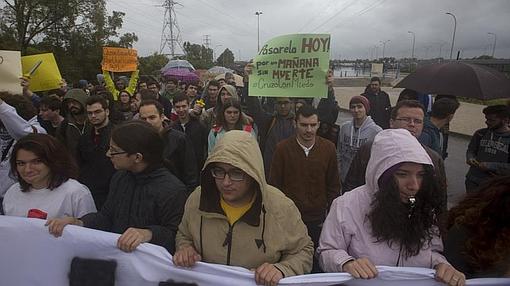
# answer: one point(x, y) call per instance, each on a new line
point(384, 47)
point(414, 38)
point(258, 13)
point(454, 30)
point(494, 44)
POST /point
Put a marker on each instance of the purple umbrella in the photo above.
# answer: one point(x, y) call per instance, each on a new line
point(181, 74)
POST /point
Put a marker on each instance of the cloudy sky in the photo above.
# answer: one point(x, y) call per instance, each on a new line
point(357, 27)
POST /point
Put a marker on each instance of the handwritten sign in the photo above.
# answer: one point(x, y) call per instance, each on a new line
point(119, 59)
point(10, 71)
point(292, 66)
point(42, 70)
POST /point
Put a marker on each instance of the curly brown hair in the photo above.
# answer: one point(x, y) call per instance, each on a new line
point(486, 214)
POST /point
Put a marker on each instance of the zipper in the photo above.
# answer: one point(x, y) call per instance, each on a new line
point(228, 241)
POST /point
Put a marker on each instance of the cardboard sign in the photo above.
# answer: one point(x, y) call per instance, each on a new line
point(10, 71)
point(42, 72)
point(119, 59)
point(292, 66)
point(377, 70)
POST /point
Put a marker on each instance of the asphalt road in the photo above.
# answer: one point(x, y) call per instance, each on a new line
point(455, 164)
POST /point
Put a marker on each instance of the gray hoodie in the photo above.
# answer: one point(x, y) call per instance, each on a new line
point(349, 141)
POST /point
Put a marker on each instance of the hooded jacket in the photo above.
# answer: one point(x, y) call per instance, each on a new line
point(346, 233)
point(270, 231)
point(69, 131)
point(152, 199)
point(350, 140)
point(208, 117)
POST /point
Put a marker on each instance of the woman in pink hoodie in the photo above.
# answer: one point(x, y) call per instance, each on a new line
point(392, 220)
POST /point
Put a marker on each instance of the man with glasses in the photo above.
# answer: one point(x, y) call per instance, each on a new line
point(96, 169)
point(380, 106)
point(236, 218)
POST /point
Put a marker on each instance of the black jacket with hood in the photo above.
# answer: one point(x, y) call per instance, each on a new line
point(152, 199)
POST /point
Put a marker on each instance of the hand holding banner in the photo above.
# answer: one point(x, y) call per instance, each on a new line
point(119, 59)
point(292, 66)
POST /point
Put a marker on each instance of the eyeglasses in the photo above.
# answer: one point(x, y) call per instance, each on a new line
point(234, 174)
point(113, 153)
point(410, 120)
point(283, 102)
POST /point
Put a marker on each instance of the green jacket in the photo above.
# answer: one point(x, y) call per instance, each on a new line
point(271, 231)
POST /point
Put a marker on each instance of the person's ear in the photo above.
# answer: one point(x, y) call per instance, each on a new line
point(138, 157)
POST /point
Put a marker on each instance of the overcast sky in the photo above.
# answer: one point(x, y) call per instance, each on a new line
point(357, 27)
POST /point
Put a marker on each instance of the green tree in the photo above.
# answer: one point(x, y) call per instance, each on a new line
point(151, 65)
point(226, 58)
point(74, 31)
point(199, 56)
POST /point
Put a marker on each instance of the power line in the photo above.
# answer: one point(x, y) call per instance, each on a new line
point(334, 15)
point(170, 35)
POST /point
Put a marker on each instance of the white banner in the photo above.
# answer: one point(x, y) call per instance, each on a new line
point(29, 255)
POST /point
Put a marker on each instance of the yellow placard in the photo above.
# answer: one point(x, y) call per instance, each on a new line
point(10, 71)
point(42, 72)
point(119, 59)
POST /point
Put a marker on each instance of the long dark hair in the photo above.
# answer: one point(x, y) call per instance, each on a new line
point(395, 222)
point(140, 137)
point(231, 102)
point(52, 153)
point(486, 214)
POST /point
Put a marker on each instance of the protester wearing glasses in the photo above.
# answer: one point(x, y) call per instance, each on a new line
point(236, 218)
point(393, 219)
point(96, 169)
point(146, 201)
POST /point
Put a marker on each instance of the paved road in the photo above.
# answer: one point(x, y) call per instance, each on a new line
point(455, 164)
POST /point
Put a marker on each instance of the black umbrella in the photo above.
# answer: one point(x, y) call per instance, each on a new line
point(459, 79)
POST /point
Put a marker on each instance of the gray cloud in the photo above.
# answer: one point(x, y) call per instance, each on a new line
point(356, 26)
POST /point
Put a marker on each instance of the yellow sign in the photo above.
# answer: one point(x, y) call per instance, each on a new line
point(10, 71)
point(42, 72)
point(119, 59)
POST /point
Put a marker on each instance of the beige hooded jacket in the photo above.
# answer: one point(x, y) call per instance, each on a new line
point(270, 231)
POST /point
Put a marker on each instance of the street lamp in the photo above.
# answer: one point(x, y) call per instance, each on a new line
point(414, 38)
point(258, 13)
point(494, 44)
point(454, 30)
point(384, 47)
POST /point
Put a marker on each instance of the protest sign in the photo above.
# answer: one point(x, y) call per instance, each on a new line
point(292, 66)
point(41, 71)
point(377, 70)
point(119, 59)
point(10, 71)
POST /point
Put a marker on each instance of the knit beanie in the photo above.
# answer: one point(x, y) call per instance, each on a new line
point(361, 99)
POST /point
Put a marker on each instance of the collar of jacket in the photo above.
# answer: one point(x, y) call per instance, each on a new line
point(149, 172)
point(210, 201)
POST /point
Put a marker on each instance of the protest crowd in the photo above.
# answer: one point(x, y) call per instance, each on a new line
point(273, 185)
